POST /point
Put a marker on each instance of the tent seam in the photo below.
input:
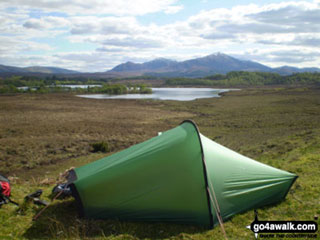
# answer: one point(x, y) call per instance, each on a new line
point(204, 170)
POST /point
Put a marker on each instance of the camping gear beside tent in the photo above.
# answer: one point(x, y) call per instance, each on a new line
point(5, 191)
point(35, 198)
point(62, 187)
point(179, 176)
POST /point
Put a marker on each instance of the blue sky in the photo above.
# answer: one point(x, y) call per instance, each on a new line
point(192, 7)
point(96, 35)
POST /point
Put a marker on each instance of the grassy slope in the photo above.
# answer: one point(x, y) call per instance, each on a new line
point(279, 127)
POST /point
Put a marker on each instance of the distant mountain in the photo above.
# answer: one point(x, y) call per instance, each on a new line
point(35, 69)
point(220, 63)
point(287, 70)
point(217, 63)
point(50, 70)
point(200, 67)
point(159, 64)
point(9, 69)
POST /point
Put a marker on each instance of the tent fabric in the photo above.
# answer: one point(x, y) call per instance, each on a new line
point(241, 183)
point(168, 178)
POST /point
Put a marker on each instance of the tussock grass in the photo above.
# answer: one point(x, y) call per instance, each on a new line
point(100, 147)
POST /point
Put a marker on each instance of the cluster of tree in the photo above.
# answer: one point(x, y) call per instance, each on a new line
point(249, 79)
point(119, 89)
point(144, 77)
point(34, 81)
point(27, 84)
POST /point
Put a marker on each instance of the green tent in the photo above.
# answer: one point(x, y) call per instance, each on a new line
point(179, 176)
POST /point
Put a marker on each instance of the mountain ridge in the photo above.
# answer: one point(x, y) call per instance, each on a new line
point(217, 63)
point(36, 69)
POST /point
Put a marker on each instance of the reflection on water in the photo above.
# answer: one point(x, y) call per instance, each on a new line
point(79, 86)
point(179, 94)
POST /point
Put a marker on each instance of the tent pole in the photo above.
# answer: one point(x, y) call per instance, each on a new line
point(42, 210)
point(217, 210)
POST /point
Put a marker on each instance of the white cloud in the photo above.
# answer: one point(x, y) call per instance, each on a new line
point(35, 24)
point(46, 23)
point(281, 55)
point(136, 42)
point(119, 7)
point(173, 9)
point(104, 25)
point(10, 46)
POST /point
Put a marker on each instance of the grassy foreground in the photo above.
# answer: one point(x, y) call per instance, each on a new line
point(42, 135)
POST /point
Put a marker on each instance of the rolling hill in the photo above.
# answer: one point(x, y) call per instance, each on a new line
point(35, 69)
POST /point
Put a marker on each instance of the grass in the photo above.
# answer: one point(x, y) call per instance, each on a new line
point(100, 147)
point(42, 135)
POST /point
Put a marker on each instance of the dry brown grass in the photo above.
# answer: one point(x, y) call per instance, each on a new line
point(45, 129)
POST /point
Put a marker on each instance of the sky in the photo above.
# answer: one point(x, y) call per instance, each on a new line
point(96, 35)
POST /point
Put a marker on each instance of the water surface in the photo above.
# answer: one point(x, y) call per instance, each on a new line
point(79, 86)
point(178, 94)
